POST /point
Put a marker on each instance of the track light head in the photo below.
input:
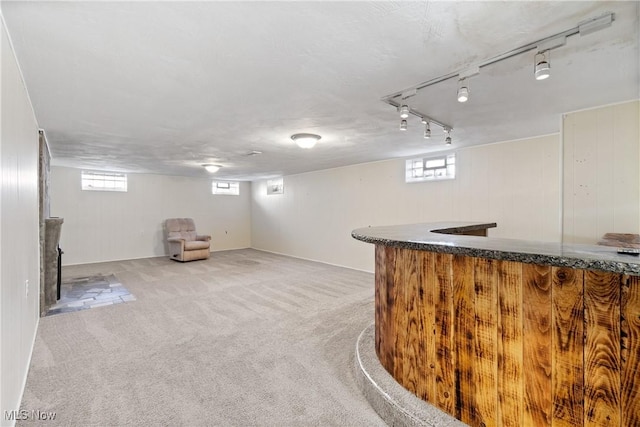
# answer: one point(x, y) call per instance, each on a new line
point(447, 140)
point(463, 91)
point(403, 124)
point(463, 94)
point(542, 68)
point(427, 130)
point(404, 111)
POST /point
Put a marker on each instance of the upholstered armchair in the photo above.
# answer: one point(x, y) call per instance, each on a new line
point(184, 243)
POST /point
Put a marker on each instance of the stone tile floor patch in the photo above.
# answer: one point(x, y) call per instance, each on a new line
point(82, 293)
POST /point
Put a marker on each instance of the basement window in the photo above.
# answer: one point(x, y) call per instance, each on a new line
point(225, 187)
point(431, 168)
point(104, 181)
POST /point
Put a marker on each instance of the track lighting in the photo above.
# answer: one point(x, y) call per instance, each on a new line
point(542, 68)
point(426, 121)
point(404, 111)
point(463, 90)
point(447, 140)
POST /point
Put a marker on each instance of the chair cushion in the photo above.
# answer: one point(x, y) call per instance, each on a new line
point(183, 228)
point(195, 244)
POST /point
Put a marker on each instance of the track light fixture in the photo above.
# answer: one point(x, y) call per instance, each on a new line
point(427, 130)
point(463, 90)
point(542, 67)
point(447, 140)
point(463, 82)
point(404, 111)
point(426, 121)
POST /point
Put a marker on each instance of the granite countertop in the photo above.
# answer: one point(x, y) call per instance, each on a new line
point(436, 237)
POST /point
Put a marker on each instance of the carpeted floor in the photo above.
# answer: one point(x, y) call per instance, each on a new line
point(246, 338)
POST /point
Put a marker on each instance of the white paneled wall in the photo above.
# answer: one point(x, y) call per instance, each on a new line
point(104, 226)
point(516, 184)
point(19, 230)
point(601, 172)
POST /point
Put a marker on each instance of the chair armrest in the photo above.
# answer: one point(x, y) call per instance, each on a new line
point(203, 238)
point(175, 239)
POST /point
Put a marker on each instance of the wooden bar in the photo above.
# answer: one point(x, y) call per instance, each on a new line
point(507, 343)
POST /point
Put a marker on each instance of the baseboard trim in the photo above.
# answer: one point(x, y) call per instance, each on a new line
point(312, 260)
point(146, 257)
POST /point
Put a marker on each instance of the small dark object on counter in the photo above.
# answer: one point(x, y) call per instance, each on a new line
point(629, 251)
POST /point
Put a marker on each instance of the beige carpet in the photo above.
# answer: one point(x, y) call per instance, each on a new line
point(246, 338)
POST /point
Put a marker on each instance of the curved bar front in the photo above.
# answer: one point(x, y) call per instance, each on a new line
point(507, 332)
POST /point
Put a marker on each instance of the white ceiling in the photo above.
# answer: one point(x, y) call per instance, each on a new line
point(163, 87)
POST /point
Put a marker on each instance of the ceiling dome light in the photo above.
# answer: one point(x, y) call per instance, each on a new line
point(463, 91)
point(212, 168)
point(404, 111)
point(542, 69)
point(305, 140)
point(403, 124)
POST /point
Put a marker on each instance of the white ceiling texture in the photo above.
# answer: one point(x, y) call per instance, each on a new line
point(164, 87)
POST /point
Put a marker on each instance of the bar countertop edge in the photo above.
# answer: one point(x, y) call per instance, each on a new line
point(446, 237)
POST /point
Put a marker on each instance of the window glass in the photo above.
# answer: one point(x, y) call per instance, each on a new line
point(431, 168)
point(231, 188)
point(103, 181)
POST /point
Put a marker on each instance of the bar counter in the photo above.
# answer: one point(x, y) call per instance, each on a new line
point(508, 332)
point(459, 238)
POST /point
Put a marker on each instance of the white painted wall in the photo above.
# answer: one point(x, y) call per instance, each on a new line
point(19, 244)
point(106, 226)
point(601, 172)
point(516, 184)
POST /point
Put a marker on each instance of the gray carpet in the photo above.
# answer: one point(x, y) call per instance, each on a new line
point(246, 338)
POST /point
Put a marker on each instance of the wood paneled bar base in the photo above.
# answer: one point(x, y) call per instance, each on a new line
point(498, 342)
